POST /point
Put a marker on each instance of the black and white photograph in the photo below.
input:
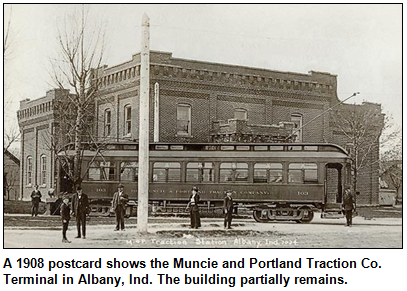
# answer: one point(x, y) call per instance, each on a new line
point(229, 126)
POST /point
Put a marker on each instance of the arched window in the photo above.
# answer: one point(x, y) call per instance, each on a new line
point(29, 170)
point(240, 114)
point(108, 121)
point(43, 164)
point(297, 120)
point(183, 119)
point(127, 120)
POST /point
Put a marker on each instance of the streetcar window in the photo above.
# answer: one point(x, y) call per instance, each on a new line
point(243, 148)
point(303, 173)
point(129, 147)
point(166, 172)
point(276, 148)
point(227, 148)
point(268, 172)
point(161, 147)
point(260, 148)
point(111, 147)
point(260, 173)
point(177, 147)
point(275, 173)
point(295, 148)
point(234, 172)
point(102, 171)
point(94, 172)
point(129, 171)
point(310, 173)
point(200, 172)
point(311, 148)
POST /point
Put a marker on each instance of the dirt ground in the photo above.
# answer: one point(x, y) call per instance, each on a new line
point(371, 231)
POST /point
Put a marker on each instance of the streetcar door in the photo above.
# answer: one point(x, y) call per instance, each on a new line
point(333, 183)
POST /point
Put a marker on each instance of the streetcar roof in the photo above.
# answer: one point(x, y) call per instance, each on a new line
point(322, 150)
point(217, 154)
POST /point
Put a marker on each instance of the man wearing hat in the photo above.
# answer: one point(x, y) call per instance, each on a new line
point(80, 208)
point(119, 204)
point(348, 205)
point(35, 201)
point(194, 209)
point(65, 216)
point(228, 209)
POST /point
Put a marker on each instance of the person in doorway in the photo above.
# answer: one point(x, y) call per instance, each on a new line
point(119, 205)
point(348, 205)
point(35, 201)
point(194, 208)
point(80, 209)
point(228, 209)
point(65, 217)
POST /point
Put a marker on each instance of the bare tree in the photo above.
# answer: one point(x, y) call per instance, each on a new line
point(11, 135)
point(81, 51)
point(362, 127)
point(11, 130)
point(11, 176)
point(7, 38)
point(391, 166)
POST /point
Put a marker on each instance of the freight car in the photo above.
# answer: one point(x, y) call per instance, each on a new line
point(275, 181)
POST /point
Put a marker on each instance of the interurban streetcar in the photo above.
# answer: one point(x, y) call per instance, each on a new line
point(275, 181)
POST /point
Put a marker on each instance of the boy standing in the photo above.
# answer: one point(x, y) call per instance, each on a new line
point(65, 216)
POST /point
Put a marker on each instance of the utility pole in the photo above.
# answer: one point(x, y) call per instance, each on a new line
point(156, 112)
point(142, 209)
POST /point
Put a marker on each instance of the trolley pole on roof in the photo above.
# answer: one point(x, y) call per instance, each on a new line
point(142, 209)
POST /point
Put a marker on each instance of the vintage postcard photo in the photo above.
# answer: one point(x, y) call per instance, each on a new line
point(202, 126)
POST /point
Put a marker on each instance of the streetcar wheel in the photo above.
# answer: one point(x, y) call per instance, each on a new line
point(307, 218)
point(257, 216)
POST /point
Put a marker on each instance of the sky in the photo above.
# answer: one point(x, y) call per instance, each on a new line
point(361, 44)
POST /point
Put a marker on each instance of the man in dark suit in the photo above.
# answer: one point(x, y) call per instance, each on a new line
point(80, 209)
point(35, 200)
point(65, 217)
point(228, 209)
point(194, 208)
point(348, 205)
point(119, 204)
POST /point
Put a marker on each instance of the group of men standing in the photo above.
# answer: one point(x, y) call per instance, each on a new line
point(80, 209)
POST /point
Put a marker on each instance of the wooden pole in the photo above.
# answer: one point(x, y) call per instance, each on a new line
point(156, 112)
point(142, 210)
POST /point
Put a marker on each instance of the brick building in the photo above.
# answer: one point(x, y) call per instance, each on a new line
point(194, 95)
point(38, 120)
point(195, 101)
point(11, 176)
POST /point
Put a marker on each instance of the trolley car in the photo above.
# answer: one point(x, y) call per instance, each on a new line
point(275, 181)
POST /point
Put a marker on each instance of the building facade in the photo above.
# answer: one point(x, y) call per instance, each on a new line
point(194, 101)
point(38, 121)
point(193, 97)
